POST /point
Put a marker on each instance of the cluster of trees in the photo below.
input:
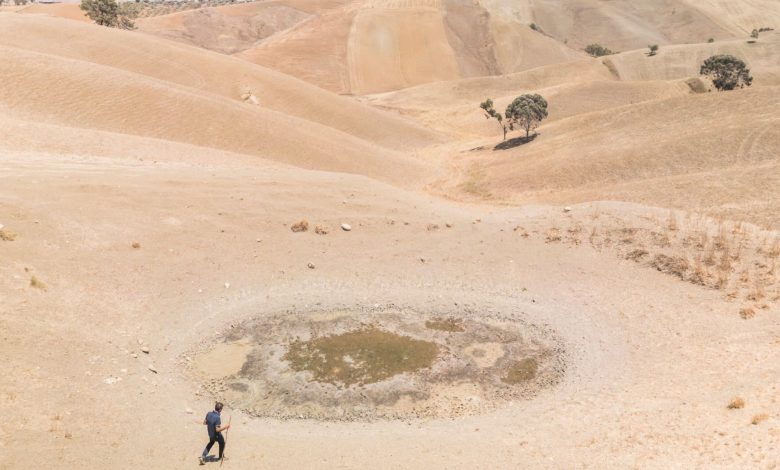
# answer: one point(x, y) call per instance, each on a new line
point(16, 2)
point(525, 112)
point(110, 13)
point(597, 50)
point(726, 72)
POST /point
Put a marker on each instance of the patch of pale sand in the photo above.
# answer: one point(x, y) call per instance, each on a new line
point(224, 360)
point(486, 354)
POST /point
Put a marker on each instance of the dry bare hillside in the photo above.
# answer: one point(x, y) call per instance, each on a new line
point(372, 46)
point(207, 72)
point(713, 152)
point(114, 88)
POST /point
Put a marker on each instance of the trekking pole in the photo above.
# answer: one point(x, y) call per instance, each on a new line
point(222, 460)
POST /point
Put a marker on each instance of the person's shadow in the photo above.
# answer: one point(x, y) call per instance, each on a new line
point(516, 142)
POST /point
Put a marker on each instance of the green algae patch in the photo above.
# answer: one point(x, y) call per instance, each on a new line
point(450, 325)
point(521, 371)
point(363, 356)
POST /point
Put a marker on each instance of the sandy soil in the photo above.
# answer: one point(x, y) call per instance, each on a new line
point(146, 208)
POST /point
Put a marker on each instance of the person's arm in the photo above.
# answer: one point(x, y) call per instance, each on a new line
point(223, 428)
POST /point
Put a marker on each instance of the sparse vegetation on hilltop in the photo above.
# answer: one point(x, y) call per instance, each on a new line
point(653, 50)
point(110, 13)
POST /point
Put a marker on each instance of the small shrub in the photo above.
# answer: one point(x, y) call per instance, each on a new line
point(736, 404)
point(321, 230)
point(653, 50)
point(597, 50)
point(711, 40)
point(746, 313)
point(37, 283)
point(301, 226)
point(759, 418)
point(754, 34)
point(674, 265)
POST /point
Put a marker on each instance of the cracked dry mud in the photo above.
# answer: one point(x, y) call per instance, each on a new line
point(390, 363)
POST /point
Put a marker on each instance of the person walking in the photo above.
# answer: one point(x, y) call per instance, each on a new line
point(214, 426)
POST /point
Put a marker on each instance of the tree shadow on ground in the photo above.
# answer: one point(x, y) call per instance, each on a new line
point(516, 142)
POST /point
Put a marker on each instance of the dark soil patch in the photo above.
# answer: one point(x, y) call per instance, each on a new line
point(365, 356)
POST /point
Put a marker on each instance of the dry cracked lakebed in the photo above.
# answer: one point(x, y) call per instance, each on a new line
point(390, 363)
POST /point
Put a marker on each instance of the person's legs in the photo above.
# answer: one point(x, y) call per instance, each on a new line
point(221, 441)
point(208, 448)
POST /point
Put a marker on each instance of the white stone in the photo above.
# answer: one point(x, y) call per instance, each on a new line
point(346, 227)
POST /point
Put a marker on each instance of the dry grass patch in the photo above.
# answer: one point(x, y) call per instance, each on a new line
point(637, 255)
point(747, 313)
point(476, 184)
point(37, 283)
point(7, 235)
point(552, 235)
point(759, 418)
point(736, 404)
point(321, 229)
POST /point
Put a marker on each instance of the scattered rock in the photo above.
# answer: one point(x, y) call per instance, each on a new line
point(321, 229)
point(136, 245)
point(145, 349)
point(301, 226)
point(346, 227)
point(567, 209)
point(152, 368)
point(432, 227)
point(448, 225)
point(112, 380)
point(311, 266)
point(227, 285)
point(134, 355)
point(188, 410)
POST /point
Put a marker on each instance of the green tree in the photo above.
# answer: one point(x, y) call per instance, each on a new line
point(653, 49)
point(597, 50)
point(726, 72)
point(526, 112)
point(490, 112)
point(110, 13)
